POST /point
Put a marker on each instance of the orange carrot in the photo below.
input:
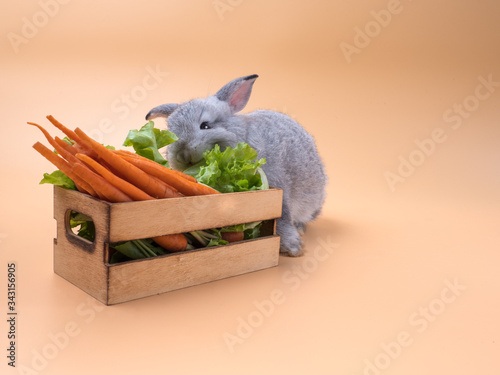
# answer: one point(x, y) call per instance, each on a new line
point(71, 149)
point(69, 152)
point(64, 167)
point(66, 152)
point(232, 236)
point(45, 133)
point(126, 153)
point(183, 185)
point(60, 148)
point(124, 169)
point(71, 135)
point(172, 191)
point(131, 190)
point(172, 242)
point(99, 184)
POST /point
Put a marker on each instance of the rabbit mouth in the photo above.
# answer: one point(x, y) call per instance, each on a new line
point(183, 159)
point(182, 165)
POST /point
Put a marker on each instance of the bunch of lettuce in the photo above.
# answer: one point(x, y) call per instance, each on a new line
point(148, 140)
point(232, 170)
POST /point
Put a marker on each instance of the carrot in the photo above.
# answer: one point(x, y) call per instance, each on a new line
point(99, 184)
point(183, 185)
point(66, 152)
point(126, 153)
point(71, 149)
point(64, 167)
point(232, 236)
point(70, 134)
point(45, 133)
point(172, 191)
point(60, 146)
point(126, 170)
point(131, 190)
point(172, 242)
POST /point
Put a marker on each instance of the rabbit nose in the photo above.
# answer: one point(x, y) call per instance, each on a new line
point(184, 156)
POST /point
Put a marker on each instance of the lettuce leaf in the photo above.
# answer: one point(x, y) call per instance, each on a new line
point(58, 178)
point(85, 225)
point(138, 249)
point(148, 140)
point(232, 170)
point(213, 237)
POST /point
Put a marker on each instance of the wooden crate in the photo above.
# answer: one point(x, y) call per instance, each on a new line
point(85, 263)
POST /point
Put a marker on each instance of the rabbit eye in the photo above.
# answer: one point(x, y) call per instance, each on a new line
point(204, 125)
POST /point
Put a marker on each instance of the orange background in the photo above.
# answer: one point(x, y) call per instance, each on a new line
point(411, 283)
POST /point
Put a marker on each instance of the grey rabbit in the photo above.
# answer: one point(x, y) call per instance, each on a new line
point(293, 163)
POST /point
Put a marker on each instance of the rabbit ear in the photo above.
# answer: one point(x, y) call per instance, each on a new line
point(163, 110)
point(236, 93)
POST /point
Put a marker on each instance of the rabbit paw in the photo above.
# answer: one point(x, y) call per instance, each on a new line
point(291, 242)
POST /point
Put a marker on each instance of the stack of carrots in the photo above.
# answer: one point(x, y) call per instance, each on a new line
point(117, 175)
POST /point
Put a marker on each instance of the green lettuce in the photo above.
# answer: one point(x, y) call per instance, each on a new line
point(232, 170)
point(148, 140)
point(137, 249)
point(58, 178)
point(84, 224)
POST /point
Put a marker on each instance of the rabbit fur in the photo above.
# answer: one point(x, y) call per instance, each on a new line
point(293, 163)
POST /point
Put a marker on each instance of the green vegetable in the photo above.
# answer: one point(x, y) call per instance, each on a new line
point(86, 225)
point(212, 237)
point(69, 141)
point(206, 238)
point(148, 140)
point(250, 230)
point(241, 227)
point(137, 249)
point(252, 233)
point(58, 178)
point(231, 170)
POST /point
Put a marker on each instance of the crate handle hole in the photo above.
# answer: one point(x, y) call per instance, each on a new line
point(80, 225)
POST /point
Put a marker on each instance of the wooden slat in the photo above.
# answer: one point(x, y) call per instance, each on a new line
point(144, 219)
point(144, 278)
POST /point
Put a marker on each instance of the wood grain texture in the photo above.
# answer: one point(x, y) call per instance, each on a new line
point(145, 219)
point(142, 278)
